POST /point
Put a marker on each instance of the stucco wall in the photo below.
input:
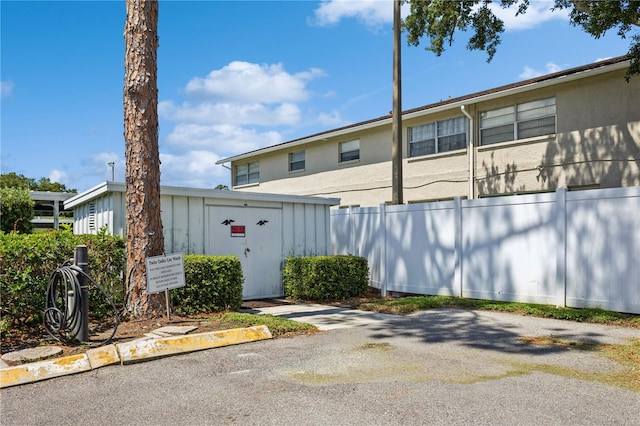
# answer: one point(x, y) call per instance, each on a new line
point(597, 144)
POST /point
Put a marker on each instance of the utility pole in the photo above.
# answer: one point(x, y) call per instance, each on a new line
point(396, 130)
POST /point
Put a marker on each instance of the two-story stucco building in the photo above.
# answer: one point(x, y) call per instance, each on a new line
point(578, 128)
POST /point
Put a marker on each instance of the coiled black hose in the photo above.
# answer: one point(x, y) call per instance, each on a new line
point(63, 314)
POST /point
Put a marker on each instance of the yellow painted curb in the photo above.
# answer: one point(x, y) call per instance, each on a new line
point(153, 348)
point(128, 352)
point(42, 370)
point(103, 355)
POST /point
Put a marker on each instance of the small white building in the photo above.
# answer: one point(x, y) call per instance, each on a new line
point(260, 229)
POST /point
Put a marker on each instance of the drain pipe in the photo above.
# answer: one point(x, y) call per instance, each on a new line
point(471, 151)
point(230, 176)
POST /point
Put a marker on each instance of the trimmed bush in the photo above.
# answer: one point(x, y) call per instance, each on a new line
point(213, 284)
point(27, 262)
point(325, 278)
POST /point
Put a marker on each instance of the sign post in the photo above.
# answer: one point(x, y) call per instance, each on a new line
point(165, 273)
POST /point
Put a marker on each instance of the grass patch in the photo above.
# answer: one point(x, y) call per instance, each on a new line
point(407, 305)
point(628, 356)
point(558, 342)
point(279, 327)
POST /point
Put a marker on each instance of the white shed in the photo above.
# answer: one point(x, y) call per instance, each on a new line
point(260, 229)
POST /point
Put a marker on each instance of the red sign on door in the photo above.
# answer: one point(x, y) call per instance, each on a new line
point(237, 230)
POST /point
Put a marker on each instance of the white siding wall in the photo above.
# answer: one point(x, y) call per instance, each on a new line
point(305, 229)
point(109, 212)
point(190, 226)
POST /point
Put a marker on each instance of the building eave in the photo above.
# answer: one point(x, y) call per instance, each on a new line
point(50, 196)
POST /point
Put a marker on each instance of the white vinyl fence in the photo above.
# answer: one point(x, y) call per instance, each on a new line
point(568, 248)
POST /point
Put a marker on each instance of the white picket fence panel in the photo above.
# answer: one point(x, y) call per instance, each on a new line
point(568, 248)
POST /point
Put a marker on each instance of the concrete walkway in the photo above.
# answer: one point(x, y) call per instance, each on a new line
point(322, 316)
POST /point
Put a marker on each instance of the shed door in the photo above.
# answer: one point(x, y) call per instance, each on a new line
point(254, 235)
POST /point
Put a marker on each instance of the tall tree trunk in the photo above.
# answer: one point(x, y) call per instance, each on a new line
point(142, 198)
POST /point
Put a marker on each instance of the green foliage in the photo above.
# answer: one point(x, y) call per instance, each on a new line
point(17, 210)
point(440, 19)
point(27, 262)
point(407, 305)
point(13, 180)
point(213, 283)
point(44, 184)
point(278, 326)
point(325, 278)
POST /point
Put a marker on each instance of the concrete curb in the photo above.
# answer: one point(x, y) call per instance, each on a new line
point(137, 350)
point(128, 352)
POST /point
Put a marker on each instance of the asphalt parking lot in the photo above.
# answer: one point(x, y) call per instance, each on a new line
point(442, 366)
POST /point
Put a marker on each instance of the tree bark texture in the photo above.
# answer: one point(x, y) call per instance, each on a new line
point(142, 195)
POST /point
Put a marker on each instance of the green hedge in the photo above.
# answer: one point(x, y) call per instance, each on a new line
point(325, 278)
point(27, 261)
point(213, 283)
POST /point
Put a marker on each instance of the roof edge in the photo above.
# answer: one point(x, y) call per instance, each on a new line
point(106, 187)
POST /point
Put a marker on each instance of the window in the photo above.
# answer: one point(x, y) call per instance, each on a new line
point(350, 151)
point(296, 161)
point(247, 173)
point(441, 136)
point(521, 121)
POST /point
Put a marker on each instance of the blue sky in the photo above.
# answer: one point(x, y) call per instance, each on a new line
point(234, 76)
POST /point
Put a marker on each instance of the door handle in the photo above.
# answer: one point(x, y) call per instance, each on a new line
point(246, 250)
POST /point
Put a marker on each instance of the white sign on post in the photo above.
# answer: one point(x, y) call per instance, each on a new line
point(165, 272)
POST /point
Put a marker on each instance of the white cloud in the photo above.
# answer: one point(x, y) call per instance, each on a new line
point(375, 13)
point(195, 169)
point(332, 119)
point(247, 82)
point(221, 138)
point(537, 13)
point(372, 13)
point(6, 88)
point(226, 108)
point(231, 113)
point(238, 108)
point(59, 176)
point(99, 166)
point(529, 72)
